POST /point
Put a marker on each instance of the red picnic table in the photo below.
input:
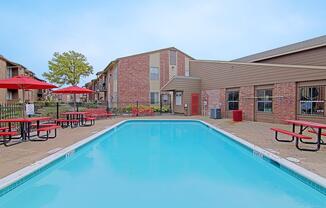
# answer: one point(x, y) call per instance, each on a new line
point(74, 116)
point(25, 125)
point(315, 128)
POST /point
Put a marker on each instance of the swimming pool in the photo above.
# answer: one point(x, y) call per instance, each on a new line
point(163, 164)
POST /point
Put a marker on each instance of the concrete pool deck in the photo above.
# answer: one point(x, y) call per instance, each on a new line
point(16, 157)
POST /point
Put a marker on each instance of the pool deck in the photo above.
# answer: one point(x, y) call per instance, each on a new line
point(18, 156)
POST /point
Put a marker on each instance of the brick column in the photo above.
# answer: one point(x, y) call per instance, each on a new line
point(216, 98)
point(284, 103)
point(247, 102)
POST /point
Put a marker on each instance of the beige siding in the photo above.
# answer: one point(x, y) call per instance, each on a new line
point(3, 72)
point(315, 57)
point(187, 69)
point(187, 86)
point(154, 61)
point(216, 75)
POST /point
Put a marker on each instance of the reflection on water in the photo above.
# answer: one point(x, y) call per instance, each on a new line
point(36, 196)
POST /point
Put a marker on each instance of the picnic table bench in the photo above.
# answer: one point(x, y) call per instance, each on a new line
point(48, 130)
point(315, 128)
point(98, 113)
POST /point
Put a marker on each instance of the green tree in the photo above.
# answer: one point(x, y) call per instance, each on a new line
point(68, 68)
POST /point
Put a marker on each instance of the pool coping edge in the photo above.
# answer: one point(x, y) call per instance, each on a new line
point(30, 169)
point(282, 161)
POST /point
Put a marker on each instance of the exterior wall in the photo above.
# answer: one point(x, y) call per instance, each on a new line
point(154, 61)
point(284, 107)
point(180, 64)
point(186, 85)
point(112, 86)
point(214, 99)
point(164, 67)
point(134, 84)
point(133, 76)
point(3, 72)
point(284, 103)
point(186, 99)
point(314, 56)
point(215, 75)
point(187, 69)
point(247, 102)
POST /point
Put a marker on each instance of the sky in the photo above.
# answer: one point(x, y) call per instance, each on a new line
point(32, 30)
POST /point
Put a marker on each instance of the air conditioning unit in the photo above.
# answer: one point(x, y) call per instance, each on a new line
point(216, 113)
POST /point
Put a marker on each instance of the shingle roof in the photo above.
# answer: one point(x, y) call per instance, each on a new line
point(292, 48)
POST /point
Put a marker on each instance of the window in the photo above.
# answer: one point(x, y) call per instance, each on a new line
point(9, 72)
point(154, 97)
point(154, 73)
point(264, 100)
point(9, 95)
point(178, 98)
point(312, 100)
point(173, 57)
point(233, 100)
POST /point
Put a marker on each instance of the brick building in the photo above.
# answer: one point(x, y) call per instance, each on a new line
point(283, 83)
point(9, 69)
point(139, 78)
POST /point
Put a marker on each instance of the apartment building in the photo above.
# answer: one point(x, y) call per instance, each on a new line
point(139, 77)
point(284, 83)
point(9, 69)
point(99, 86)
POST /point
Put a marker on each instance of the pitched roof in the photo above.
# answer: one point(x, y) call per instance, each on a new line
point(288, 49)
point(16, 64)
point(148, 52)
point(154, 51)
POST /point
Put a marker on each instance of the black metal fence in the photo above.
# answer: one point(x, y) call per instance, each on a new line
point(54, 109)
point(126, 108)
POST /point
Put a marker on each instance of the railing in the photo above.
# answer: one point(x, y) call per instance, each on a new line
point(127, 108)
point(55, 109)
point(10, 111)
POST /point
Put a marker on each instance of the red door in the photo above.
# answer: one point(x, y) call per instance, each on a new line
point(194, 104)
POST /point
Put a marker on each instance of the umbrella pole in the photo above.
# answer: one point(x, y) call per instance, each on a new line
point(23, 103)
point(75, 103)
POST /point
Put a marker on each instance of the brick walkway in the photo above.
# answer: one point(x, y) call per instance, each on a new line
point(18, 156)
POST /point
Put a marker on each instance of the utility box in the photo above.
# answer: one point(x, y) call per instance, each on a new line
point(216, 113)
point(237, 115)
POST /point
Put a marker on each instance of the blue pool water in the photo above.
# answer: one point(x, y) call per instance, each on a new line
point(163, 164)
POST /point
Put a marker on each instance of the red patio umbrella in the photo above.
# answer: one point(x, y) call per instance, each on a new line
point(24, 83)
point(74, 90)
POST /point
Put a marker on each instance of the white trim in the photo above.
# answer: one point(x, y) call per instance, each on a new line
point(12, 178)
